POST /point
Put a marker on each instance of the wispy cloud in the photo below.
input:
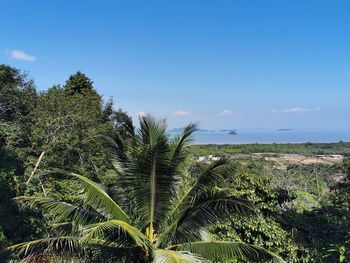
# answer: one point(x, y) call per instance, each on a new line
point(20, 55)
point(182, 113)
point(295, 110)
point(141, 114)
point(226, 112)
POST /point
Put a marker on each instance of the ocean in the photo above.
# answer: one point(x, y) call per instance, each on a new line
point(269, 137)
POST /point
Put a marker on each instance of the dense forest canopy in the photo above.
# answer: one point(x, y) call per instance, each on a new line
point(303, 208)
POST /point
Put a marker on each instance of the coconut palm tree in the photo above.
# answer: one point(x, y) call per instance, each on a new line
point(149, 215)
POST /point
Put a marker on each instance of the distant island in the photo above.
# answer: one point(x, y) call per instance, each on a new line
point(285, 129)
point(229, 131)
point(233, 132)
point(201, 130)
point(182, 129)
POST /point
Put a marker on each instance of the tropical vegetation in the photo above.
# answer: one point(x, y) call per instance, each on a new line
point(79, 183)
point(148, 215)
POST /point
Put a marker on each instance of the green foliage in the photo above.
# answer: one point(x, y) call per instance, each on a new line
point(69, 130)
point(153, 218)
point(68, 127)
point(17, 100)
point(341, 197)
point(339, 253)
point(263, 231)
point(307, 149)
point(78, 83)
point(12, 169)
point(17, 96)
point(316, 230)
point(337, 215)
point(150, 199)
point(297, 204)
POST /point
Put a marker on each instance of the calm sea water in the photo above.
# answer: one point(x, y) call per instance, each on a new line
point(268, 137)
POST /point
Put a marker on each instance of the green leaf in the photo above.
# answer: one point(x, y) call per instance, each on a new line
point(169, 256)
point(72, 249)
point(180, 142)
point(97, 197)
point(210, 177)
point(105, 229)
point(41, 249)
point(60, 211)
point(209, 207)
point(218, 251)
point(151, 175)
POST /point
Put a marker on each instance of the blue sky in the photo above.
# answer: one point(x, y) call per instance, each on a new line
point(224, 64)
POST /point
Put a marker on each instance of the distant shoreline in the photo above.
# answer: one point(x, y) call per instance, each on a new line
point(269, 137)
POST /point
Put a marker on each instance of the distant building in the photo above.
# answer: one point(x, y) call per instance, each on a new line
point(207, 158)
point(213, 158)
point(337, 156)
point(332, 156)
point(201, 158)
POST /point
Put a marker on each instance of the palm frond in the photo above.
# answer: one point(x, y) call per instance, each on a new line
point(180, 142)
point(60, 211)
point(170, 256)
point(124, 124)
point(122, 187)
point(219, 251)
point(115, 228)
point(151, 175)
point(70, 248)
point(210, 177)
point(151, 185)
point(117, 147)
point(42, 249)
point(214, 173)
point(209, 207)
point(152, 132)
point(97, 197)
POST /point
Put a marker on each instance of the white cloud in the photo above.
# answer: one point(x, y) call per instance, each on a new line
point(226, 112)
point(141, 114)
point(182, 113)
point(20, 55)
point(295, 109)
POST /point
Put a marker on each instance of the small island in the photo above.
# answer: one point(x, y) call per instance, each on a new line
point(179, 130)
point(285, 129)
point(233, 132)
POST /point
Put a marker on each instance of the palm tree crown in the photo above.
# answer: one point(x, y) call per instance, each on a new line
point(149, 215)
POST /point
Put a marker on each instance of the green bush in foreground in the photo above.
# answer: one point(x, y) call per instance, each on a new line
point(147, 216)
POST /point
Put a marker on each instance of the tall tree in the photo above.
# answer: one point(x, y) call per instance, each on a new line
point(79, 83)
point(17, 95)
point(68, 126)
point(17, 101)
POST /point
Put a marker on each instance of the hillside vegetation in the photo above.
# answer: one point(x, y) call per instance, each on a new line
point(145, 197)
point(307, 149)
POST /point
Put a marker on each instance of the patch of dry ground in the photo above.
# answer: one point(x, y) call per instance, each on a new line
point(297, 158)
